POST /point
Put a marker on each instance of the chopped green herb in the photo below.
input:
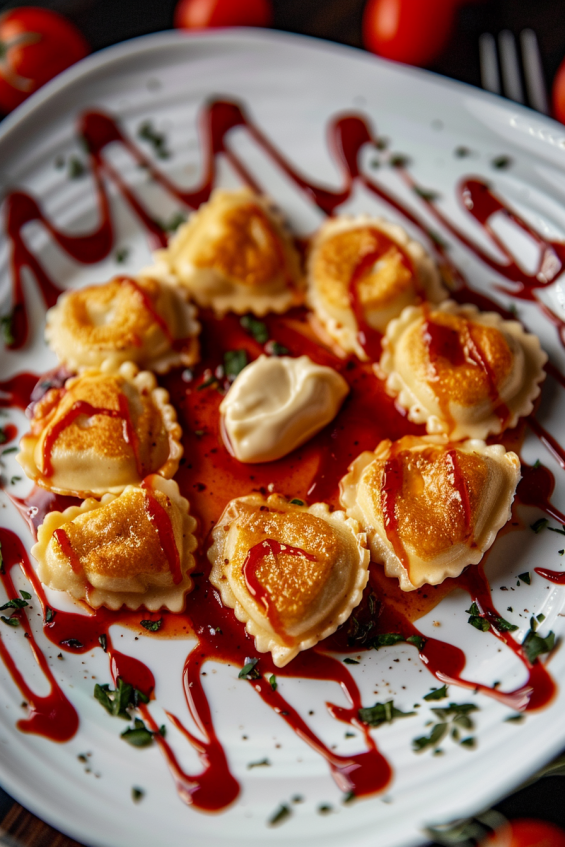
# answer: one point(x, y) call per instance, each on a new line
point(398, 160)
point(73, 643)
point(534, 645)
point(386, 639)
point(515, 718)
point(425, 193)
point(540, 524)
point(257, 329)
point(501, 162)
point(273, 348)
point(137, 794)
point(540, 618)
point(437, 239)
point(437, 693)
point(454, 710)
point(263, 763)
point(462, 152)
point(469, 742)
point(561, 552)
point(325, 809)
point(176, 219)
point(249, 670)
point(381, 143)
point(9, 621)
point(349, 661)
point(417, 640)
point(26, 595)
point(3, 436)
point(10, 450)
point(473, 609)
point(2, 571)
point(526, 577)
point(476, 620)
point(152, 626)
point(533, 624)
point(103, 641)
point(212, 380)
point(435, 737)
point(158, 141)
point(273, 682)
point(14, 604)
point(537, 463)
point(75, 168)
point(138, 735)
point(554, 529)
point(121, 255)
point(234, 362)
point(7, 327)
point(115, 702)
point(381, 713)
point(349, 797)
point(199, 433)
point(14, 479)
point(297, 502)
point(504, 626)
point(280, 816)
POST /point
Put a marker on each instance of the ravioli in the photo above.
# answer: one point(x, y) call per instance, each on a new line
point(361, 273)
point(100, 433)
point(430, 507)
point(291, 573)
point(127, 319)
point(462, 372)
point(302, 397)
point(130, 550)
point(234, 255)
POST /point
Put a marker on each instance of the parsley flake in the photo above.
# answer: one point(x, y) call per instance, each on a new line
point(257, 329)
point(437, 693)
point(386, 639)
point(418, 641)
point(103, 641)
point(249, 670)
point(26, 595)
point(274, 348)
point(157, 140)
point(138, 735)
point(476, 618)
point(297, 502)
point(280, 816)
point(526, 577)
point(152, 626)
point(14, 604)
point(263, 763)
point(234, 363)
point(534, 645)
point(273, 682)
point(540, 524)
point(349, 661)
point(381, 713)
point(10, 450)
point(7, 328)
point(137, 794)
point(73, 643)
point(9, 621)
point(75, 168)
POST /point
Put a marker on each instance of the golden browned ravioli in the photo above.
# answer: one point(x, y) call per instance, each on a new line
point(128, 319)
point(291, 573)
point(430, 507)
point(460, 371)
point(101, 432)
point(234, 255)
point(361, 273)
point(130, 550)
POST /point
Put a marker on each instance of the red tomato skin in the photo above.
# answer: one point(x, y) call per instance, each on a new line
point(409, 31)
point(558, 93)
point(527, 832)
point(201, 14)
point(58, 45)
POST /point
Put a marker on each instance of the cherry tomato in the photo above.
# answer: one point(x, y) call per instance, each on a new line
point(199, 14)
point(35, 45)
point(410, 31)
point(558, 93)
point(526, 832)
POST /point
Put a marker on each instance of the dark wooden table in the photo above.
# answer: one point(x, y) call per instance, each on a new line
point(106, 22)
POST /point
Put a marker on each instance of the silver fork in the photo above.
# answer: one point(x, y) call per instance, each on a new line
point(510, 68)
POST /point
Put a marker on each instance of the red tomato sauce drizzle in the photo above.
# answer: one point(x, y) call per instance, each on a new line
point(210, 476)
point(82, 407)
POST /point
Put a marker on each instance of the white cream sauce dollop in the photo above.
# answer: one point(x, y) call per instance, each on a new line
point(276, 404)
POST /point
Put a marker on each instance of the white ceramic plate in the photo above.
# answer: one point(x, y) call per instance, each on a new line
point(292, 87)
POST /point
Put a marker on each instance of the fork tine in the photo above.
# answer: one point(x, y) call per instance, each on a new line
point(511, 81)
point(533, 71)
point(490, 78)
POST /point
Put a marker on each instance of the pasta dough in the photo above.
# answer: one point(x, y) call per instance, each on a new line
point(292, 573)
point(130, 550)
point(429, 507)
